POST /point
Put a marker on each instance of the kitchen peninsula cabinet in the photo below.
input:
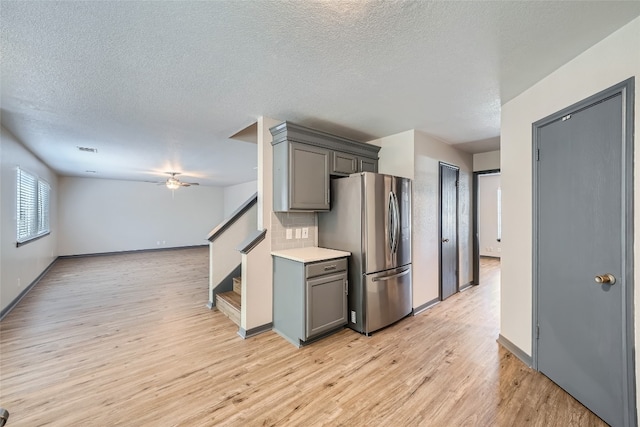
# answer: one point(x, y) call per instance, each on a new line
point(309, 293)
point(304, 160)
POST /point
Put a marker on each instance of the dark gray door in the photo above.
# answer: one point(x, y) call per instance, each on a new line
point(580, 209)
point(448, 230)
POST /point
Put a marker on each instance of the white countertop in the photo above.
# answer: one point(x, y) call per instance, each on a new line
point(310, 254)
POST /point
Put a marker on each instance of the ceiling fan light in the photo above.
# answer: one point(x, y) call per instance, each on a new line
point(173, 184)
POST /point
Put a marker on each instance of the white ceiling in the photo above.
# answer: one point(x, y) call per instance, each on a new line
point(161, 86)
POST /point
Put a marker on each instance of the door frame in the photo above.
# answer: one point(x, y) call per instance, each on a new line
point(457, 168)
point(475, 225)
point(626, 90)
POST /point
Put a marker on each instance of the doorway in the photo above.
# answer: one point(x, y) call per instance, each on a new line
point(583, 266)
point(449, 175)
point(490, 241)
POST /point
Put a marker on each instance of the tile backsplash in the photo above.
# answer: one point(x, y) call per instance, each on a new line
point(281, 221)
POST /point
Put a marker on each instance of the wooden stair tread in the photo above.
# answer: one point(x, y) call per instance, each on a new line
point(232, 298)
point(228, 303)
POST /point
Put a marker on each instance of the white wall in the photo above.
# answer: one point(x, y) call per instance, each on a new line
point(488, 186)
point(236, 195)
point(98, 215)
point(396, 154)
point(486, 161)
point(429, 151)
point(257, 268)
point(609, 62)
point(416, 155)
point(20, 266)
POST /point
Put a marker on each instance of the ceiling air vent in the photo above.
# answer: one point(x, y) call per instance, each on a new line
point(88, 149)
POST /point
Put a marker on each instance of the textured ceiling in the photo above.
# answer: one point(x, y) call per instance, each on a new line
point(159, 86)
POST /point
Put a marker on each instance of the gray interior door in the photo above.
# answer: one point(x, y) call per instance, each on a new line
point(580, 210)
point(448, 230)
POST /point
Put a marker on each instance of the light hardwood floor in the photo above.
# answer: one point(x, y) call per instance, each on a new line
point(126, 340)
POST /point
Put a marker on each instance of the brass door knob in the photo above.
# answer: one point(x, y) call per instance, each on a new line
point(608, 278)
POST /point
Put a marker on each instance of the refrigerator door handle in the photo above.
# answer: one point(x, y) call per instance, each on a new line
point(393, 276)
point(396, 223)
point(390, 222)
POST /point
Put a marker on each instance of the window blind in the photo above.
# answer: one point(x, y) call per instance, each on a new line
point(32, 206)
point(43, 207)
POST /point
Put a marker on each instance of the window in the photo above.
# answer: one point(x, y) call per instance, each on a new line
point(32, 207)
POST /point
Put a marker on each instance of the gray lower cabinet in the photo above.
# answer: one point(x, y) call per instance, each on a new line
point(309, 299)
point(300, 177)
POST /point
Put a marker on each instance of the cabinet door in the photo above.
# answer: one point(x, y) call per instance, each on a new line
point(308, 177)
point(367, 165)
point(344, 164)
point(326, 306)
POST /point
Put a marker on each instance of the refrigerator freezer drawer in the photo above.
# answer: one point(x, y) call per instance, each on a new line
point(387, 297)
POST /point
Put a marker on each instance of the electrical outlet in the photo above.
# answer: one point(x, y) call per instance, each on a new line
point(499, 249)
point(298, 233)
point(19, 284)
point(289, 234)
point(158, 243)
point(305, 232)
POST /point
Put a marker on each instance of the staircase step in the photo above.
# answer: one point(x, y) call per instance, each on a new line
point(237, 285)
point(229, 304)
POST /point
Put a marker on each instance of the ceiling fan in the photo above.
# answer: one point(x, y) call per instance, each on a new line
point(174, 183)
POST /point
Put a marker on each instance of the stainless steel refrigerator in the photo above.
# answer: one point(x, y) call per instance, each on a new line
point(371, 218)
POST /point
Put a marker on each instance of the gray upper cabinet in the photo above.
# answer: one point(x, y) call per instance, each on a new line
point(303, 161)
point(344, 163)
point(300, 177)
point(367, 165)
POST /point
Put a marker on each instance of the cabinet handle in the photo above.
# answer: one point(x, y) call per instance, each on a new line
point(346, 287)
point(330, 267)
